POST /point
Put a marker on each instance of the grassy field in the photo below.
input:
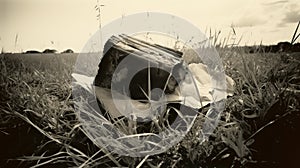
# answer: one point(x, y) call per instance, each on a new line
point(259, 127)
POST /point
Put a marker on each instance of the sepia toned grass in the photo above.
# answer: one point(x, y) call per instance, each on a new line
point(37, 95)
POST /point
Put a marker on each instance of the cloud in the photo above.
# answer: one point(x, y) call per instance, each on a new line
point(291, 15)
point(249, 21)
point(275, 3)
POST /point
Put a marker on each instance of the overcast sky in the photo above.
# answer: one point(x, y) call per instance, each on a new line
point(62, 24)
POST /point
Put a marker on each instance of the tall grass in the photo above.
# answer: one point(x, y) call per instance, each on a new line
point(39, 96)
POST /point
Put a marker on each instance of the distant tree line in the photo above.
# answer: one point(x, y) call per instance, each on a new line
point(280, 47)
point(48, 51)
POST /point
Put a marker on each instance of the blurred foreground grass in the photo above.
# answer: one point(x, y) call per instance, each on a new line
point(259, 126)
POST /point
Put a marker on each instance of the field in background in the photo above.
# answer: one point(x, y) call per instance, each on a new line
point(258, 128)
